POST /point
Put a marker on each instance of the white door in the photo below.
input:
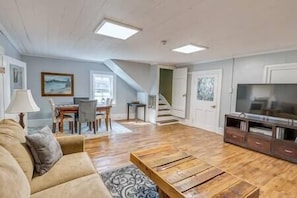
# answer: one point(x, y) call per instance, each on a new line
point(205, 99)
point(179, 91)
point(15, 77)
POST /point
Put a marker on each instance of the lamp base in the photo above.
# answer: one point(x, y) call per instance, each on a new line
point(21, 120)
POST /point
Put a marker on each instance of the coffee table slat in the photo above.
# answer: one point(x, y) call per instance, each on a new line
point(162, 184)
point(158, 149)
point(168, 167)
point(239, 189)
point(212, 187)
point(168, 159)
point(197, 179)
point(183, 174)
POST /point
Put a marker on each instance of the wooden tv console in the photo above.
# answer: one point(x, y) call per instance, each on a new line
point(272, 137)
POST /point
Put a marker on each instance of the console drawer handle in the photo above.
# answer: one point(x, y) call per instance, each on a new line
point(288, 151)
point(234, 136)
point(258, 143)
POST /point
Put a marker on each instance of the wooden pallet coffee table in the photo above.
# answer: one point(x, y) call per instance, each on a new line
point(178, 174)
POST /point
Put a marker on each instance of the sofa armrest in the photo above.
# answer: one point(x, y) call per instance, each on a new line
point(71, 144)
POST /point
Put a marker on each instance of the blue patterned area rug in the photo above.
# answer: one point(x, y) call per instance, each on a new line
point(129, 182)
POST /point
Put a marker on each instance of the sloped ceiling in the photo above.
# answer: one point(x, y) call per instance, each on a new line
point(229, 28)
point(134, 74)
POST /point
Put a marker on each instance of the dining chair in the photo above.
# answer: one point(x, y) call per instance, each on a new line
point(87, 113)
point(75, 101)
point(56, 117)
point(101, 115)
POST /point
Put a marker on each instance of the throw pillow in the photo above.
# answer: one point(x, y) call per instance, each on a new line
point(45, 149)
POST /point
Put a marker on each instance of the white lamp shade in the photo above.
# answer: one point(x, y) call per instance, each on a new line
point(22, 101)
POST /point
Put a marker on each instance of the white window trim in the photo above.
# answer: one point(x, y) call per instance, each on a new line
point(92, 72)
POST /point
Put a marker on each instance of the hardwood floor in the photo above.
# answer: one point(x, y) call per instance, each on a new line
point(274, 177)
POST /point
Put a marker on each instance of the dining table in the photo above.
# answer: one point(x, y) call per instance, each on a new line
point(73, 108)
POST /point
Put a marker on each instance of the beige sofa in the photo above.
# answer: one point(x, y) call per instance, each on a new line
point(72, 176)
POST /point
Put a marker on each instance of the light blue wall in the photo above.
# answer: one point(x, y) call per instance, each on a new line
point(246, 70)
point(8, 47)
point(81, 71)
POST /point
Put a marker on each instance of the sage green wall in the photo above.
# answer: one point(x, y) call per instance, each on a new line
point(165, 84)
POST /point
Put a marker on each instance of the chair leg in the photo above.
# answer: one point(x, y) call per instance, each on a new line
point(79, 128)
point(54, 128)
point(71, 126)
point(75, 126)
point(90, 126)
point(94, 126)
point(110, 124)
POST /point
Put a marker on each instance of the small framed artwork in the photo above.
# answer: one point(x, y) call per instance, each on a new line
point(16, 77)
point(56, 84)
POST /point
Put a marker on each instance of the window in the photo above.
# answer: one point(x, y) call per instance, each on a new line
point(102, 86)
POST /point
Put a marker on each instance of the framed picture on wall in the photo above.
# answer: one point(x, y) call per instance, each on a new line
point(17, 76)
point(56, 84)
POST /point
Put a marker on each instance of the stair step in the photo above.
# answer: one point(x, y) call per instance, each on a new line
point(162, 115)
point(164, 109)
point(168, 121)
point(164, 112)
point(162, 118)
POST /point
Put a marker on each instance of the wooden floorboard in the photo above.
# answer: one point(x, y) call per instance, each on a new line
point(275, 177)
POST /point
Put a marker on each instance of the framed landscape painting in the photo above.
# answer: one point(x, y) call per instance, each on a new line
point(56, 84)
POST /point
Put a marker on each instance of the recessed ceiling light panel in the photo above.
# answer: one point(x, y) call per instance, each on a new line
point(187, 49)
point(115, 29)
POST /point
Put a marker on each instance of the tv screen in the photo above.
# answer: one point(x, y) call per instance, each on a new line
point(276, 100)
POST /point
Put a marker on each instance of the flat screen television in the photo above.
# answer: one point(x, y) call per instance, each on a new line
point(276, 100)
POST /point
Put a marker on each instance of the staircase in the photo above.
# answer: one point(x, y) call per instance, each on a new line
point(164, 116)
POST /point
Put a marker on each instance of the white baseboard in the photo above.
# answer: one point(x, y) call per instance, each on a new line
point(186, 122)
point(122, 116)
point(220, 131)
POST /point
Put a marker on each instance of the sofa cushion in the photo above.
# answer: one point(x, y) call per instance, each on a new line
point(90, 186)
point(69, 167)
point(71, 144)
point(14, 183)
point(45, 149)
point(12, 138)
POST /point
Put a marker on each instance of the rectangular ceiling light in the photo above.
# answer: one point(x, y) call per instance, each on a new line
point(187, 49)
point(115, 29)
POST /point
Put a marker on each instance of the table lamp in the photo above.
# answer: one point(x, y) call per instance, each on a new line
point(22, 102)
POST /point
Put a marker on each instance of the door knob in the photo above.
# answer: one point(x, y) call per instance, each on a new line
point(184, 95)
point(213, 106)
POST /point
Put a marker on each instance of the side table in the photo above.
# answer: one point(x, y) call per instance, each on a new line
point(135, 106)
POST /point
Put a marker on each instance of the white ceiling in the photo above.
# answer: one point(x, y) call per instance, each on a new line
point(229, 28)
